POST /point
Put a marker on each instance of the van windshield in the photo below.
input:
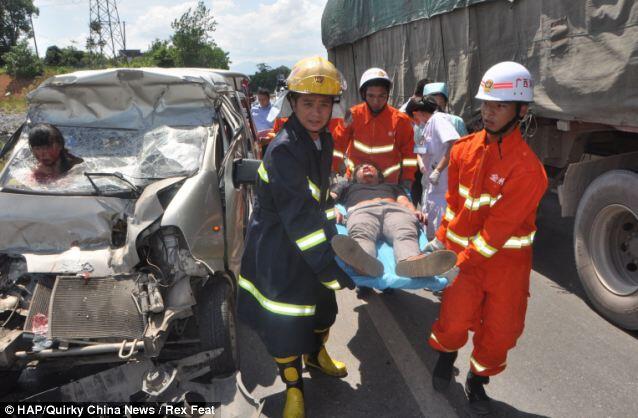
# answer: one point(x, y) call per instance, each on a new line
point(139, 157)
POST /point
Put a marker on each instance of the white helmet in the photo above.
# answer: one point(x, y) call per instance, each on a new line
point(507, 82)
point(374, 74)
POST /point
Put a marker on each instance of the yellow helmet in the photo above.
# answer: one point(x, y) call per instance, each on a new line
point(315, 75)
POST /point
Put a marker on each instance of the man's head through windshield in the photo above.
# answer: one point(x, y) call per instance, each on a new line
point(47, 145)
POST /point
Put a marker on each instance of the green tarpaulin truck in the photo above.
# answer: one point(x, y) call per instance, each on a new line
point(583, 55)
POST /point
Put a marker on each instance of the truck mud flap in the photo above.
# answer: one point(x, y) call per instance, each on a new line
point(161, 385)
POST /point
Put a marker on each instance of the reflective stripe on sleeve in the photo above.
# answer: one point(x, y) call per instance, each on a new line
point(331, 213)
point(334, 285)
point(263, 174)
point(337, 154)
point(272, 306)
point(311, 240)
point(449, 214)
point(409, 162)
point(462, 241)
point(314, 190)
point(475, 203)
point(372, 150)
point(391, 170)
point(483, 247)
point(520, 242)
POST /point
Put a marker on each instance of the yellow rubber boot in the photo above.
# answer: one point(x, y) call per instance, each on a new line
point(290, 372)
point(326, 364)
point(322, 361)
point(295, 407)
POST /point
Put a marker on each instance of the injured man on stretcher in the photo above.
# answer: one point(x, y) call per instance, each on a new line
point(377, 210)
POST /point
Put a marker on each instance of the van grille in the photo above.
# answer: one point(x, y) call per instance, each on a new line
point(98, 307)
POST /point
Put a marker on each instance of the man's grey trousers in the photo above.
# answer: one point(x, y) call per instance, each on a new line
point(391, 222)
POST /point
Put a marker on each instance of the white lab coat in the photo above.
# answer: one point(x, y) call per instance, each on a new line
point(431, 142)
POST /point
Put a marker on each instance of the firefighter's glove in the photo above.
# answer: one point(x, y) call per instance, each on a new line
point(333, 277)
point(434, 176)
point(434, 245)
point(451, 274)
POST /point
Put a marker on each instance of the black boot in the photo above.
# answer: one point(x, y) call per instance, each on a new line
point(442, 374)
point(479, 401)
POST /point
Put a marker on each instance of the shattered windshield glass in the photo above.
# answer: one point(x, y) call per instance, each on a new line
point(135, 158)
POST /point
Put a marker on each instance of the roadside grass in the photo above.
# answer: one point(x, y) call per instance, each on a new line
point(14, 101)
point(13, 104)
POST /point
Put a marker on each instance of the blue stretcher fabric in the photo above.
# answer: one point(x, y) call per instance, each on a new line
point(385, 254)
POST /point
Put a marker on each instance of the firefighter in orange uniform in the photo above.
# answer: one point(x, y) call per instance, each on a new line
point(377, 133)
point(495, 183)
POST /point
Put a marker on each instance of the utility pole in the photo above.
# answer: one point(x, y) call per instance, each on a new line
point(105, 28)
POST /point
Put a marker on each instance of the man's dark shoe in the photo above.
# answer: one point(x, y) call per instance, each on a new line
point(352, 254)
point(479, 401)
point(442, 374)
point(426, 265)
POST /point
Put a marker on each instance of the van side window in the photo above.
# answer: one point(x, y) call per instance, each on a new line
point(222, 142)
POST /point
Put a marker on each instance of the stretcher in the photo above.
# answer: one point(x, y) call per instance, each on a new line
point(385, 254)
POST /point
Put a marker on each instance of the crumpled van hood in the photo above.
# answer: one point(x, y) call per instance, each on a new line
point(67, 234)
point(53, 224)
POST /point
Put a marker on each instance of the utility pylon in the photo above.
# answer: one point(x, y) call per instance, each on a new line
point(105, 30)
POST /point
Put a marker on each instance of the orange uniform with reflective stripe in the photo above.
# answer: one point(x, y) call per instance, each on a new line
point(493, 194)
point(387, 140)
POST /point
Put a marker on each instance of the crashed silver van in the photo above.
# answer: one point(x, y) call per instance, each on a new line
point(131, 256)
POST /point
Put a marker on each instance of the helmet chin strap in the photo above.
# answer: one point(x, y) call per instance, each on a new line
point(508, 125)
point(505, 128)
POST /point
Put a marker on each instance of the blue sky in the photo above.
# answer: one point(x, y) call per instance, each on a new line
point(272, 31)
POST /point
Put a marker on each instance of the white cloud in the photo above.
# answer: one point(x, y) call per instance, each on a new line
point(154, 23)
point(222, 6)
point(282, 32)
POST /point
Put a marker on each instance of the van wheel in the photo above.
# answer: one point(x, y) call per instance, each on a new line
point(217, 326)
point(606, 246)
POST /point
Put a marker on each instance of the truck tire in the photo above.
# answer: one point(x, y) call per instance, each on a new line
point(606, 246)
point(217, 326)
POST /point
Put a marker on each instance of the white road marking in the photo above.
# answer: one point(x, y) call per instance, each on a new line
point(416, 376)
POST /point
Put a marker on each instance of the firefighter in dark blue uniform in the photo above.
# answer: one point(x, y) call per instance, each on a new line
point(288, 272)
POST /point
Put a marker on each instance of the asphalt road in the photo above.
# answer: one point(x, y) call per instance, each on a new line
point(570, 362)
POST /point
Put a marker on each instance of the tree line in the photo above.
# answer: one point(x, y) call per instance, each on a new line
point(190, 45)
